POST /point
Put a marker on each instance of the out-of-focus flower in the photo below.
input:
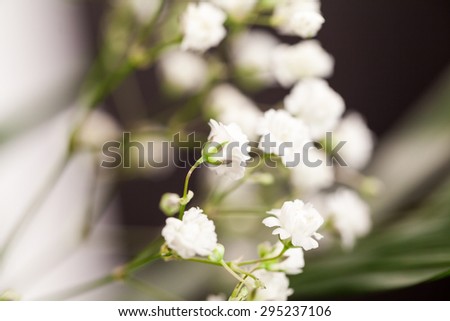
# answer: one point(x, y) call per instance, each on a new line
point(276, 286)
point(303, 60)
point(292, 261)
point(229, 105)
point(202, 26)
point(317, 104)
point(170, 202)
point(237, 9)
point(313, 173)
point(144, 10)
point(350, 215)
point(358, 138)
point(296, 221)
point(298, 17)
point(98, 129)
point(184, 71)
point(230, 150)
point(251, 52)
point(193, 235)
point(282, 135)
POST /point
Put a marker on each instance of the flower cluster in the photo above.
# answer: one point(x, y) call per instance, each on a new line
point(295, 131)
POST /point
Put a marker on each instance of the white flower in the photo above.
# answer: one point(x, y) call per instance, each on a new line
point(276, 286)
point(293, 261)
point(313, 173)
point(237, 9)
point(144, 10)
point(186, 71)
point(349, 214)
point(193, 235)
point(296, 221)
point(251, 53)
point(317, 104)
point(98, 129)
point(298, 17)
point(202, 26)
point(303, 60)
point(358, 138)
point(229, 105)
point(283, 135)
point(233, 149)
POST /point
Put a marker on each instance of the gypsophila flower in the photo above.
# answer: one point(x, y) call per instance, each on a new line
point(317, 104)
point(358, 138)
point(170, 202)
point(276, 286)
point(313, 173)
point(193, 235)
point(202, 26)
point(232, 150)
point(350, 215)
point(251, 53)
point(303, 60)
point(229, 105)
point(298, 17)
point(298, 222)
point(182, 70)
point(283, 135)
point(237, 9)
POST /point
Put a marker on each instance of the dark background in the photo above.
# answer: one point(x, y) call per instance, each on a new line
point(388, 53)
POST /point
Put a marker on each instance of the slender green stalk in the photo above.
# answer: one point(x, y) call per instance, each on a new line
point(151, 290)
point(257, 261)
point(186, 184)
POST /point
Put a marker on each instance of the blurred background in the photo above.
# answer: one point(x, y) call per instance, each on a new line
point(392, 66)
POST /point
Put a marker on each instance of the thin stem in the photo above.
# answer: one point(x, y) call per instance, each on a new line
point(198, 260)
point(186, 184)
point(231, 271)
point(151, 290)
point(265, 260)
point(81, 289)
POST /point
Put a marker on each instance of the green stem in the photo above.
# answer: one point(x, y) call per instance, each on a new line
point(257, 261)
point(151, 290)
point(186, 184)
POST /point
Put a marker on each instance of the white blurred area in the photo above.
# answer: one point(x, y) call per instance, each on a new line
point(43, 54)
point(42, 57)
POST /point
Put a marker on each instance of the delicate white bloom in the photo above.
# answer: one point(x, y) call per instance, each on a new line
point(358, 138)
point(232, 145)
point(98, 129)
point(296, 221)
point(298, 17)
point(170, 202)
point(183, 70)
point(144, 10)
point(276, 286)
point(349, 214)
point(292, 261)
point(216, 297)
point(193, 235)
point(237, 9)
point(202, 26)
point(303, 60)
point(317, 104)
point(313, 173)
point(283, 135)
point(229, 105)
point(251, 52)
